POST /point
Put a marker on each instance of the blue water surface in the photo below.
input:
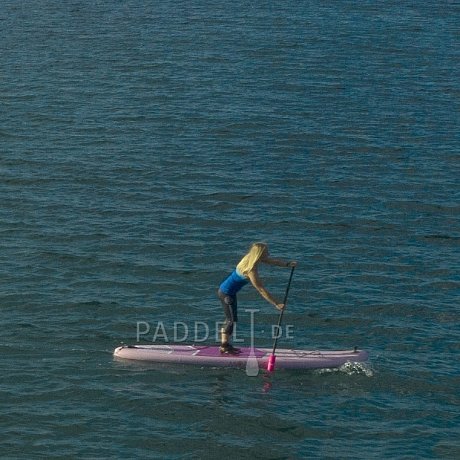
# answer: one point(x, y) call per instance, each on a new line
point(145, 145)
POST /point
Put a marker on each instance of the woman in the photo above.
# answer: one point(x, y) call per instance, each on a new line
point(245, 272)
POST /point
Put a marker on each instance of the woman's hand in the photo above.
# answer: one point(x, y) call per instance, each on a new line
point(292, 263)
point(280, 306)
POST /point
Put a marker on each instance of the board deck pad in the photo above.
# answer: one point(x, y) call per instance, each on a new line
point(203, 355)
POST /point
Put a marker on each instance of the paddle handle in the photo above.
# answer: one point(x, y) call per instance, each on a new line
point(272, 358)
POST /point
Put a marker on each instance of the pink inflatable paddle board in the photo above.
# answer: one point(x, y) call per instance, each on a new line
point(211, 356)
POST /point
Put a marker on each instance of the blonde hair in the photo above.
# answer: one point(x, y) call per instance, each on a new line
point(248, 262)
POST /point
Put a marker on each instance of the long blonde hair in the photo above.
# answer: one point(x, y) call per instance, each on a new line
point(248, 262)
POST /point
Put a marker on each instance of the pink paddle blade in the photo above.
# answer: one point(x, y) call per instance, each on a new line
point(271, 363)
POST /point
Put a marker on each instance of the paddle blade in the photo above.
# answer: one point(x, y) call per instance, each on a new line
point(271, 363)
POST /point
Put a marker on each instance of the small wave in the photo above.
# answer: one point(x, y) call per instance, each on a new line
point(442, 237)
point(350, 368)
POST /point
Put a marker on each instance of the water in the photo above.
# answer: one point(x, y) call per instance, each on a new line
point(145, 145)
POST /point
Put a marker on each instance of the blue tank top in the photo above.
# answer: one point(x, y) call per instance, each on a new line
point(233, 283)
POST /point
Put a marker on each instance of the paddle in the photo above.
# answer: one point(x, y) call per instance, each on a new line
point(272, 359)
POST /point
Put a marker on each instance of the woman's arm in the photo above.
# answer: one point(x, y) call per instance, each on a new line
point(257, 283)
point(278, 262)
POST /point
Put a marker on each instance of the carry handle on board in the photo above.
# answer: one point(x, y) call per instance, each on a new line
point(272, 359)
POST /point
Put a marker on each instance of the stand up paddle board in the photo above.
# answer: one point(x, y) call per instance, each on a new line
point(211, 356)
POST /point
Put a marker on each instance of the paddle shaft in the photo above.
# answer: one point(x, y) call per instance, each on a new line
point(282, 311)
